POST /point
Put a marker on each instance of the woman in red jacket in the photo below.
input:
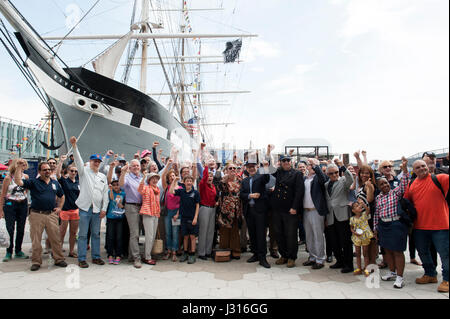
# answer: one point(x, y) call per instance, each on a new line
point(207, 214)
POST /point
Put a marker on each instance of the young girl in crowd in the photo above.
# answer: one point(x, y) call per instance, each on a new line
point(189, 207)
point(172, 225)
point(361, 234)
point(114, 220)
point(150, 211)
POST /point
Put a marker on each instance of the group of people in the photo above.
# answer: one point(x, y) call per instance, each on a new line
point(200, 208)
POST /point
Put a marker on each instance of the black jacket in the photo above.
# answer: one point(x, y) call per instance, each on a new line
point(258, 186)
point(318, 190)
point(289, 191)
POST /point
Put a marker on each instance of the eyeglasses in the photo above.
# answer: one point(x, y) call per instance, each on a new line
point(239, 167)
point(387, 166)
point(51, 163)
point(333, 173)
point(73, 171)
point(286, 160)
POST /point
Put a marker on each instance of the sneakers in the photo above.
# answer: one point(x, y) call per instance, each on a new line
point(7, 257)
point(399, 282)
point(110, 260)
point(426, 280)
point(191, 259)
point(183, 258)
point(443, 287)
point(137, 263)
point(21, 255)
point(390, 276)
point(116, 261)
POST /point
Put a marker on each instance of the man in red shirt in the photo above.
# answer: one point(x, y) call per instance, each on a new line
point(432, 223)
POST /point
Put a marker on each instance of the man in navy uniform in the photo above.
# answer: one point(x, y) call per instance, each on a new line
point(287, 201)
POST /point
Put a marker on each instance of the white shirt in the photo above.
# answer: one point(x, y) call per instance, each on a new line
point(93, 187)
point(307, 199)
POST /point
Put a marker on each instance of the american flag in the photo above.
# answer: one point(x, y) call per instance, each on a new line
point(191, 126)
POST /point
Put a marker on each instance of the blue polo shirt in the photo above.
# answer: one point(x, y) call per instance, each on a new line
point(188, 202)
point(71, 192)
point(43, 195)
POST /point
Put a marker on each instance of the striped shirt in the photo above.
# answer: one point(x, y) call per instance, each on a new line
point(150, 200)
point(387, 204)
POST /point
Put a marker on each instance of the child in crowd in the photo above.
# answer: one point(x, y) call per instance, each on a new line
point(114, 219)
point(361, 234)
point(189, 207)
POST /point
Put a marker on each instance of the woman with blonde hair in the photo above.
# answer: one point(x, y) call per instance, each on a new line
point(230, 211)
point(13, 207)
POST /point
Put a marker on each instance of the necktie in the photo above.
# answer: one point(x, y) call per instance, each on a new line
point(330, 187)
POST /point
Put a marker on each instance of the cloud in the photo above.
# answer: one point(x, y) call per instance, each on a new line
point(258, 48)
point(293, 82)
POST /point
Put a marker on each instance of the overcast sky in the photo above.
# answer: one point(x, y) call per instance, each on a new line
point(362, 74)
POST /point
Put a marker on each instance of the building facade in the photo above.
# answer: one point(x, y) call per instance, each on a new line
point(22, 139)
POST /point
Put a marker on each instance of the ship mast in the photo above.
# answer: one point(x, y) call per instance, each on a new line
point(182, 97)
point(144, 20)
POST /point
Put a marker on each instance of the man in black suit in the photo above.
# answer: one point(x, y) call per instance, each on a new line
point(287, 201)
point(254, 200)
point(314, 212)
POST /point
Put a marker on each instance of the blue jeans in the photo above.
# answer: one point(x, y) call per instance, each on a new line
point(171, 231)
point(439, 238)
point(93, 220)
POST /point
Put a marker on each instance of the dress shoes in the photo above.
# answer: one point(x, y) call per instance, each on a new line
point(337, 266)
point(309, 263)
point(263, 262)
point(281, 261)
point(317, 266)
point(253, 259)
point(330, 259)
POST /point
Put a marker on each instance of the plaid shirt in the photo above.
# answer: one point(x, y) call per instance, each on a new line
point(387, 204)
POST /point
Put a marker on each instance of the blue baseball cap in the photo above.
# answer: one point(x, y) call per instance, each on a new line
point(96, 157)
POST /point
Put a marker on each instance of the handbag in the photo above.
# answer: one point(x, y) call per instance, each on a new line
point(162, 204)
point(158, 245)
point(221, 255)
point(4, 236)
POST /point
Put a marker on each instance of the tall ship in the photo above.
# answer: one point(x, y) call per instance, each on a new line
point(101, 107)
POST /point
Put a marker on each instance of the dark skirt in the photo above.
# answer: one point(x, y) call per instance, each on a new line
point(392, 235)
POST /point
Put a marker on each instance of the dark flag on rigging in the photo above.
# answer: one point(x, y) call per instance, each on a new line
point(232, 51)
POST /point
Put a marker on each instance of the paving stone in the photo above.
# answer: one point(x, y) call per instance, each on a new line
point(292, 294)
point(305, 285)
point(258, 276)
point(258, 293)
point(229, 276)
point(192, 292)
point(212, 283)
point(243, 284)
point(327, 294)
point(226, 293)
point(173, 274)
point(314, 277)
point(200, 275)
point(284, 277)
point(344, 278)
point(273, 284)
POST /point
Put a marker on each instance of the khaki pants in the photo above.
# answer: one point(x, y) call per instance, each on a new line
point(230, 239)
point(39, 222)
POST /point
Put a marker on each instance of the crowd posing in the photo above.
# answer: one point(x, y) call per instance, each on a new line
point(201, 209)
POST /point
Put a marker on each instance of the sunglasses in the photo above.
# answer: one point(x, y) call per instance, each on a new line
point(286, 160)
point(231, 168)
point(51, 163)
point(387, 166)
point(333, 173)
point(73, 171)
